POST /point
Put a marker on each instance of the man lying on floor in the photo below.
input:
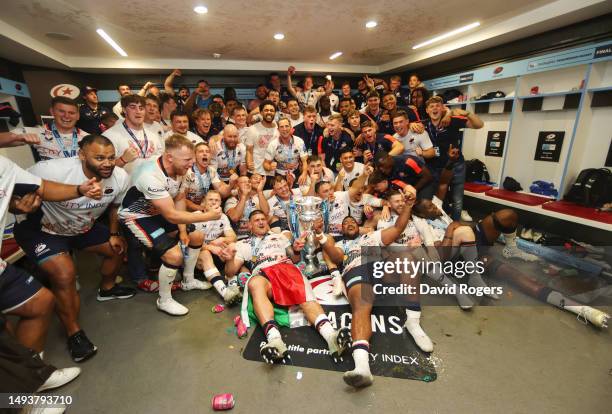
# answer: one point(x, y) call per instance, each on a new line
point(276, 280)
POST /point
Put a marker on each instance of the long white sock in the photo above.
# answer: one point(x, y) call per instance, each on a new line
point(361, 355)
point(326, 330)
point(190, 263)
point(214, 277)
point(166, 276)
point(271, 330)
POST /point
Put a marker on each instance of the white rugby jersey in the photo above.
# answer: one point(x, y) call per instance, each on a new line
point(354, 173)
point(148, 142)
point(279, 207)
point(54, 144)
point(213, 229)
point(149, 182)
point(226, 160)
point(13, 180)
point(352, 248)
point(196, 184)
point(260, 137)
point(72, 217)
point(286, 154)
point(433, 230)
point(343, 206)
point(260, 252)
point(410, 236)
point(242, 227)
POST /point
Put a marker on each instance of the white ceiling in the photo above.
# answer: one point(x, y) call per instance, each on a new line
point(160, 35)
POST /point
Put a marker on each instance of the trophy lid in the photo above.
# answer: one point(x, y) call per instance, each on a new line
point(309, 201)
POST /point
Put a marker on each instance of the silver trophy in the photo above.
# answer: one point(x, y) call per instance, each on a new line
point(308, 210)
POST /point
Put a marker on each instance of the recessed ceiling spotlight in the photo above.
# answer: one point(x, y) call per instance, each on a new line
point(335, 55)
point(216, 55)
point(200, 9)
point(111, 42)
point(447, 35)
point(279, 36)
point(371, 24)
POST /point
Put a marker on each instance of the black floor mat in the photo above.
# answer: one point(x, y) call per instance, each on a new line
point(393, 352)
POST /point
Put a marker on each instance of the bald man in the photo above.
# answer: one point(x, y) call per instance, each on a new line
point(229, 155)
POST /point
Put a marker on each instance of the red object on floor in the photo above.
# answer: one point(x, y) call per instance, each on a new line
point(477, 188)
point(10, 250)
point(573, 209)
point(287, 284)
point(521, 198)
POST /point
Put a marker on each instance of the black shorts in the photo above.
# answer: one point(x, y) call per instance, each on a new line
point(41, 246)
point(357, 275)
point(16, 288)
point(482, 243)
point(153, 233)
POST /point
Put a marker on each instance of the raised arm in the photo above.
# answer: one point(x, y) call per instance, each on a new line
point(290, 72)
point(169, 82)
point(172, 214)
point(390, 234)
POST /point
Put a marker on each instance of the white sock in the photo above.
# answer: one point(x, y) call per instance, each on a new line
point(233, 281)
point(510, 239)
point(190, 263)
point(413, 325)
point(326, 330)
point(166, 276)
point(214, 277)
point(272, 334)
point(362, 357)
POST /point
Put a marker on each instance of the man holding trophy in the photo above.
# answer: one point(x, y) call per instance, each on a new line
point(276, 280)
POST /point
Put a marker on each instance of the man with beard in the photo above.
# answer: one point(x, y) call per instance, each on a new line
point(414, 82)
point(370, 142)
point(286, 155)
point(418, 97)
point(183, 92)
point(203, 124)
point(445, 137)
point(345, 107)
point(360, 97)
point(180, 125)
point(295, 116)
point(309, 130)
point(123, 90)
point(325, 110)
point(259, 137)
point(133, 140)
point(60, 139)
point(154, 210)
point(261, 92)
point(48, 237)
point(410, 239)
point(330, 147)
point(274, 83)
point(271, 258)
point(358, 282)
point(418, 145)
point(199, 98)
point(250, 198)
point(282, 206)
point(229, 156)
point(90, 113)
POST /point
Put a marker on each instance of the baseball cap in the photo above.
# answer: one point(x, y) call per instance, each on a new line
point(88, 89)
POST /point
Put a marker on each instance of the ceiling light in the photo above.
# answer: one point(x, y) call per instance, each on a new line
point(371, 24)
point(200, 9)
point(335, 55)
point(447, 35)
point(111, 42)
point(279, 36)
point(217, 55)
